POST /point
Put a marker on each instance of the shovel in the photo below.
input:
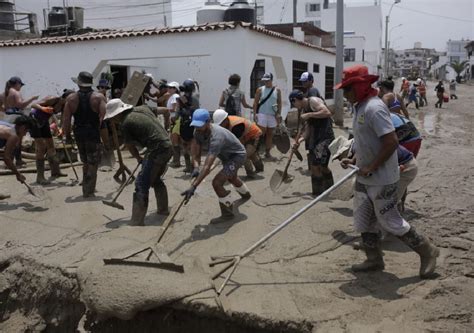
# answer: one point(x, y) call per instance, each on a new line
point(73, 181)
point(281, 179)
point(114, 202)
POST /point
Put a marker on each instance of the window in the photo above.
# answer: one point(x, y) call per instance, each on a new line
point(363, 55)
point(315, 68)
point(257, 73)
point(329, 83)
point(349, 55)
point(455, 47)
point(454, 59)
point(299, 68)
point(314, 7)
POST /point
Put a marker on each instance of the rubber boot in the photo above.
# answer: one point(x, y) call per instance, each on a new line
point(54, 166)
point(40, 173)
point(374, 261)
point(317, 185)
point(328, 180)
point(258, 164)
point(227, 211)
point(139, 208)
point(249, 169)
point(427, 252)
point(189, 167)
point(161, 195)
point(176, 157)
point(89, 182)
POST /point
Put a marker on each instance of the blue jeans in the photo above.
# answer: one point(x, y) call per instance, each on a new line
point(151, 173)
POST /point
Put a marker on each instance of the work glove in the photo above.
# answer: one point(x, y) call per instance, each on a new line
point(188, 193)
point(195, 173)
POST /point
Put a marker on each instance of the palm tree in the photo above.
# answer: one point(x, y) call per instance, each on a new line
point(458, 67)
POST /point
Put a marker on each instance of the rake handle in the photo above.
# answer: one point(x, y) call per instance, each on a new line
point(126, 182)
point(69, 159)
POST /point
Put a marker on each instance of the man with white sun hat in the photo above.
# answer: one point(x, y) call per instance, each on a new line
point(140, 127)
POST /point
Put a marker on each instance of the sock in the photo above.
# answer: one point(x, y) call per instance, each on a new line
point(242, 189)
point(226, 200)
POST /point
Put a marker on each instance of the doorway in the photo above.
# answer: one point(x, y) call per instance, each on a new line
point(120, 74)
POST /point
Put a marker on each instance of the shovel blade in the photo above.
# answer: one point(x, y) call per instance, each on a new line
point(280, 181)
point(113, 204)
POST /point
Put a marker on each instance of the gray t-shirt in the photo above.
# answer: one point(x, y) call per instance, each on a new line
point(371, 121)
point(222, 143)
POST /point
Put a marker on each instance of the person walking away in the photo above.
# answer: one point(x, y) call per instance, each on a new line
point(422, 91)
point(440, 94)
point(412, 96)
point(404, 89)
point(10, 139)
point(248, 134)
point(224, 145)
point(43, 112)
point(375, 198)
point(139, 126)
point(88, 109)
point(187, 104)
point(14, 105)
point(392, 100)
point(318, 135)
point(307, 80)
point(232, 99)
point(267, 110)
point(452, 90)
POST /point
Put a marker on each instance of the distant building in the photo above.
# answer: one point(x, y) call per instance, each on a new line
point(470, 55)
point(413, 63)
point(456, 50)
point(363, 25)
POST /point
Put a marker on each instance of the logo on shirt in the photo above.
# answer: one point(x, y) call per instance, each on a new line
point(361, 119)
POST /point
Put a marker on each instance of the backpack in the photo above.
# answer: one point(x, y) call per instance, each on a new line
point(230, 104)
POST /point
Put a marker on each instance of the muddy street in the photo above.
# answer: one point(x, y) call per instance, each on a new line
point(51, 252)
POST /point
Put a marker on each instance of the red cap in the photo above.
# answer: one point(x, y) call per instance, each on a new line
point(354, 74)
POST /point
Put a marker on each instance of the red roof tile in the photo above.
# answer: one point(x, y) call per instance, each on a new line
point(112, 34)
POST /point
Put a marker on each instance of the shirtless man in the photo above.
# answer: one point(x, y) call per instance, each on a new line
point(88, 108)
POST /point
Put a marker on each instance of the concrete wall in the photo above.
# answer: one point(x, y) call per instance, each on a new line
point(47, 69)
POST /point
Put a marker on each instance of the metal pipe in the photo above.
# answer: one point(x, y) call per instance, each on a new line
point(298, 213)
point(338, 94)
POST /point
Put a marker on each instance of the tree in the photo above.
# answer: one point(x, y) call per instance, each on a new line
point(458, 67)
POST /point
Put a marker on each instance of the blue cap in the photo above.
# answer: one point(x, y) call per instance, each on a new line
point(200, 118)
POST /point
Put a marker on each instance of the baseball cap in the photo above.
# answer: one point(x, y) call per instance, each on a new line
point(173, 84)
point(267, 77)
point(200, 118)
point(306, 76)
point(15, 80)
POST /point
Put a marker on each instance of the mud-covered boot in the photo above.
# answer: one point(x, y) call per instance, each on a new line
point(328, 180)
point(176, 163)
point(258, 164)
point(317, 185)
point(161, 195)
point(188, 165)
point(249, 169)
point(139, 208)
point(374, 261)
point(55, 168)
point(427, 252)
point(89, 181)
point(40, 173)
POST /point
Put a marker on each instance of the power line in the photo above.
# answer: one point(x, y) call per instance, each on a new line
point(141, 15)
point(431, 14)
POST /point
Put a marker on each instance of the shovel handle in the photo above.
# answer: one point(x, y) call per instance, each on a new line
point(124, 184)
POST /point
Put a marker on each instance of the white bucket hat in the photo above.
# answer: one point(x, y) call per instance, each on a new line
point(115, 107)
point(340, 147)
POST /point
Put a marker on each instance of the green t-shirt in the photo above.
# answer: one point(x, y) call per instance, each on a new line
point(141, 127)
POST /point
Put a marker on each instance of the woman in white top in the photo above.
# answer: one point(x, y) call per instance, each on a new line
point(173, 91)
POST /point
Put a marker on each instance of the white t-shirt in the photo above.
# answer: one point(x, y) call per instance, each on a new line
point(371, 121)
point(169, 105)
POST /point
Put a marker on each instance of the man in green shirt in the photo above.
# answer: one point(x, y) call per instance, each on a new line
point(140, 127)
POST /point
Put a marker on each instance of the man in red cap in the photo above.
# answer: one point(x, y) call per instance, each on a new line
point(375, 198)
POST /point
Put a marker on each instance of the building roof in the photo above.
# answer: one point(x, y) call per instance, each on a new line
point(115, 34)
point(287, 29)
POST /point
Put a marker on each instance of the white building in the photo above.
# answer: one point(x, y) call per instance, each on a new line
point(206, 53)
point(360, 21)
point(456, 50)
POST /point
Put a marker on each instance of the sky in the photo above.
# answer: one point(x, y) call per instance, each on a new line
point(431, 22)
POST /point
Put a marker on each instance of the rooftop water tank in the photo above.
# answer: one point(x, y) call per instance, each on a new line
point(240, 11)
point(56, 17)
point(212, 12)
point(7, 19)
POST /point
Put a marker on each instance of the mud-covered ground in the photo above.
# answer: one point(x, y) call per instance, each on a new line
point(297, 281)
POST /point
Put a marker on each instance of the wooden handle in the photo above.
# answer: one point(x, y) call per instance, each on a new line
point(116, 142)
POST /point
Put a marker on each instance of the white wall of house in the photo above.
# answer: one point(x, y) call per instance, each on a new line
point(48, 68)
point(455, 50)
point(357, 44)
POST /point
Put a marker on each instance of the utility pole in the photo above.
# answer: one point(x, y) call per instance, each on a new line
point(295, 18)
point(338, 94)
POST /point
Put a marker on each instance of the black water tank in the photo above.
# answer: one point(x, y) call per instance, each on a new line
point(57, 16)
point(240, 11)
point(7, 18)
